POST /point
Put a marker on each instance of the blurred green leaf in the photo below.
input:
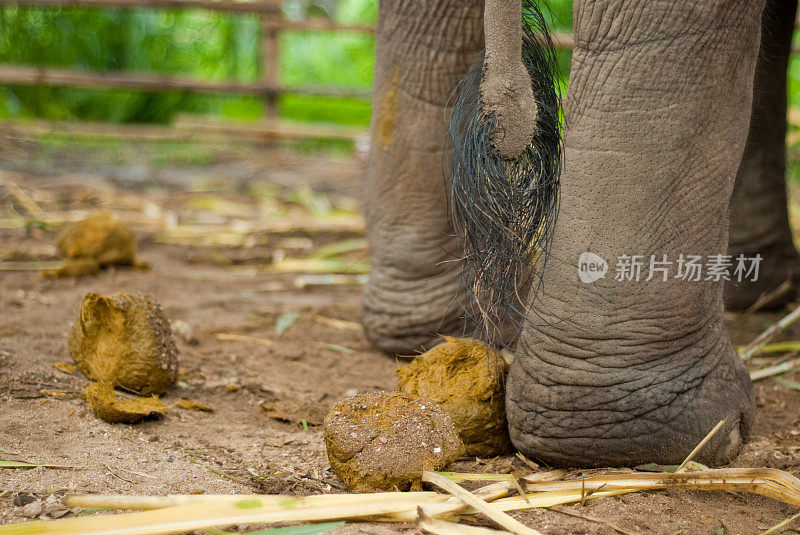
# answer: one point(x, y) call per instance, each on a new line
point(336, 347)
point(311, 529)
point(21, 464)
point(794, 385)
point(188, 42)
point(285, 321)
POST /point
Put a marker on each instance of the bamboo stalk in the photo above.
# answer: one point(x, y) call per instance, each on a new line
point(501, 518)
point(23, 199)
point(146, 503)
point(451, 505)
point(231, 337)
point(780, 525)
point(779, 347)
point(443, 527)
point(551, 498)
point(761, 340)
point(29, 266)
point(313, 265)
point(769, 482)
point(700, 445)
point(185, 513)
point(778, 369)
point(337, 323)
point(198, 516)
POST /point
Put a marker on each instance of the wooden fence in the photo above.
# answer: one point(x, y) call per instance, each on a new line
point(269, 87)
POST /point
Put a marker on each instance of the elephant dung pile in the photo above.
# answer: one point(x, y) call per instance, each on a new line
point(93, 243)
point(105, 404)
point(385, 440)
point(451, 401)
point(466, 378)
point(123, 340)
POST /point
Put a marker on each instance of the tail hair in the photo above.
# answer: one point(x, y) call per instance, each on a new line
point(505, 210)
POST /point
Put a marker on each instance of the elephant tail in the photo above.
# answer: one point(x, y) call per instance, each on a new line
point(504, 210)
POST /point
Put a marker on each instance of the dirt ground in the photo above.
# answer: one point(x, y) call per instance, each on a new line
point(233, 235)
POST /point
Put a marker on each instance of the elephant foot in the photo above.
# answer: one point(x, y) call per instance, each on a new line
point(404, 316)
point(646, 402)
point(778, 281)
point(633, 364)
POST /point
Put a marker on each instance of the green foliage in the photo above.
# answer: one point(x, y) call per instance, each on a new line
point(199, 44)
point(558, 15)
point(332, 110)
point(192, 43)
point(793, 76)
point(180, 42)
point(793, 98)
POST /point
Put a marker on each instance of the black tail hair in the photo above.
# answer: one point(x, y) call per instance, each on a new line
point(505, 210)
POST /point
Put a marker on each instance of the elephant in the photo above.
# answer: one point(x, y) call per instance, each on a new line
point(673, 145)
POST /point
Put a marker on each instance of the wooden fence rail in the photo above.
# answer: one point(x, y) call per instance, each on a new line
point(234, 6)
point(13, 74)
point(269, 87)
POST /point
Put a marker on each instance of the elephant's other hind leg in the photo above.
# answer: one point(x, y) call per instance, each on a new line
point(759, 222)
point(413, 293)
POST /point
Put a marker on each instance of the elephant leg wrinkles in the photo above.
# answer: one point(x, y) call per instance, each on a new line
point(620, 371)
point(758, 209)
point(613, 372)
point(413, 293)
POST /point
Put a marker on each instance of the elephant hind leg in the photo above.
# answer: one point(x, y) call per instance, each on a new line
point(413, 294)
point(759, 222)
point(637, 367)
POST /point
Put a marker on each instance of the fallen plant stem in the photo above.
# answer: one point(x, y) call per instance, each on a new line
point(783, 290)
point(700, 445)
point(177, 514)
point(779, 347)
point(304, 281)
point(339, 248)
point(458, 477)
point(24, 464)
point(455, 504)
point(113, 473)
point(778, 369)
point(230, 337)
point(511, 524)
point(29, 266)
point(769, 482)
point(196, 516)
point(793, 385)
point(443, 527)
point(550, 475)
point(24, 200)
point(524, 459)
point(337, 323)
point(781, 524)
point(761, 340)
point(146, 503)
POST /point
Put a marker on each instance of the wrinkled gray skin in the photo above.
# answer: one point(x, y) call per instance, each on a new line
point(759, 221)
point(658, 115)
